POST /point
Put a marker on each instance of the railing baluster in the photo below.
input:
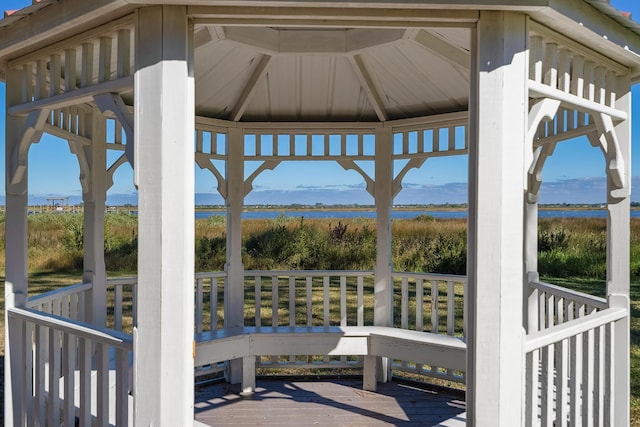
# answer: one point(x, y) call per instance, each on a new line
point(68, 371)
point(404, 303)
point(199, 297)
point(435, 320)
point(85, 381)
point(292, 301)
point(343, 300)
point(122, 387)
point(609, 350)
point(30, 361)
point(102, 384)
point(274, 301)
point(39, 406)
point(258, 299)
point(599, 377)
point(213, 303)
point(360, 301)
point(419, 305)
point(325, 300)
point(53, 407)
point(117, 307)
point(309, 289)
point(532, 388)
point(451, 308)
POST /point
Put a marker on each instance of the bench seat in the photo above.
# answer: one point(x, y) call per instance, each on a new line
point(371, 342)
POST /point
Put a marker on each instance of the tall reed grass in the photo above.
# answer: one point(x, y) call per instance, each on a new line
point(573, 247)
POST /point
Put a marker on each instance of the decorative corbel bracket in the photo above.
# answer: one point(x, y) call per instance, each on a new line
point(31, 133)
point(542, 109)
point(85, 170)
point(351, 165)
point(266, 165)
point(205, 163)
point(113, 168)
point(607, 139)
point(414, 163)
point(112, 102)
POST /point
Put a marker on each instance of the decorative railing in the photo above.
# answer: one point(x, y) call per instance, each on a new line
point(556, 305)
point(67, 302)
point(441, 312)
point(569, 371)
point(69, 371)
point(569, 358)
point(122, 303)
point(426, 302)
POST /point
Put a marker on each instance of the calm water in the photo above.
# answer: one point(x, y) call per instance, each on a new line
point(339, 214)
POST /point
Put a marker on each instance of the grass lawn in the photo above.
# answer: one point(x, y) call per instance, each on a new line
point(42, 282)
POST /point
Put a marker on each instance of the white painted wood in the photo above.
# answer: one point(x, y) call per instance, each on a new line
point(618, 238)
point(383, 288)
point(360, 70)
point(372, 341)
point(495, 360)
point(94, 200)
point(572, 328)
point(261, 69)
point(16, 284)
point(79, 96)
point(234, 292)
point(164, 122)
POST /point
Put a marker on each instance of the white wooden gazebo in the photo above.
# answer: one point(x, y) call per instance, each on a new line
point(271, 81)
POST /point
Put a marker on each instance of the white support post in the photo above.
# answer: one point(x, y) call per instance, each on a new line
point(618, 256)
point(234, 291)
point(164, 129)
point(495, 268)
point(383, 288)
point(94, 206)
point(16, 283)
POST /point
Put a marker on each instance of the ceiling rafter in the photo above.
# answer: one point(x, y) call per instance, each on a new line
point(259, 72)
point(447, 51)
point(369, 87)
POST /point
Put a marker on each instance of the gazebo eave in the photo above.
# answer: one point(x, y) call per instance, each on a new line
point(589, 22)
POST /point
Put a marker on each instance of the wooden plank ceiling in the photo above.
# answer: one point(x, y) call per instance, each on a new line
point(295, 74)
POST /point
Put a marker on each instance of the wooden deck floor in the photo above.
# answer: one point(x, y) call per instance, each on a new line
point(327, 403)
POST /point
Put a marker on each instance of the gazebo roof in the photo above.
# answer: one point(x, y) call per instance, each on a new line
point(303, 61)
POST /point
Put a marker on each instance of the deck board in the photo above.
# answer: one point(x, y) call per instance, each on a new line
point(327, 403)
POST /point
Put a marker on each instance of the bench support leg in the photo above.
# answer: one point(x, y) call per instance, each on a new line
point(369, 382)
point(248, 375)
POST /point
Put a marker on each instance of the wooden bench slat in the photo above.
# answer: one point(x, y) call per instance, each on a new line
point(371, 341)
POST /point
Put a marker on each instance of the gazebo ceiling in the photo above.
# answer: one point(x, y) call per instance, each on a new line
point(343, 74)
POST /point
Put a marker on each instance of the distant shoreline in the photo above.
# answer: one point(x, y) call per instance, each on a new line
point(324, 208)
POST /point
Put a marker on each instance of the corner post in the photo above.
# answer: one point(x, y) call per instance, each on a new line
point(164, 170)
point(16, 273)
point(383, 288)
point(499, 106)
point(234, 291)
point(618, 259)
point(94, 205)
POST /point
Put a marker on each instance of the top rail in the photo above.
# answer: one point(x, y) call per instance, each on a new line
point(579, 297)
point(431, 276)
point(57, 294)
point(120, 281)
point(307, 273)
point(79, 329)
point(572, 328)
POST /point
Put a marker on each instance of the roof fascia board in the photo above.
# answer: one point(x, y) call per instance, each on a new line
point(61, 19)
point(521, 5)
point(335, 16)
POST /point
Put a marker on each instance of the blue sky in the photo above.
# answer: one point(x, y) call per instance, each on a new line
point(575, 173)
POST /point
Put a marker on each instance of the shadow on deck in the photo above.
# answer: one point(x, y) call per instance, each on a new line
point(328, 403)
